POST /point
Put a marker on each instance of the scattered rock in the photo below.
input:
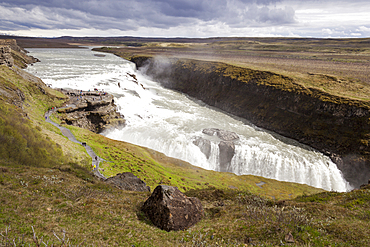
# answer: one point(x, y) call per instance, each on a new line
point(227, 135)
point(3, 169)
point(169, 209)
point(128, 181)
point(248, 240)
point(281, 203)
point(260, 184)
point(204, 146)
point(222, 134)
point(65, 168)
point(227, 151)
point(289, 238)
point(365, 186)
point(210, 132)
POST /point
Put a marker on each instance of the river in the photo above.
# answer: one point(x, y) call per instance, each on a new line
point(170, 122)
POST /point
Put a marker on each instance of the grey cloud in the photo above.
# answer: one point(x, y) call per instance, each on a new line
point(129, 15)
point(276, 16)
point(206, 15)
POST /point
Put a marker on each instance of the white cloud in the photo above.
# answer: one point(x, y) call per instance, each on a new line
point(363, 29)
point(327, 31)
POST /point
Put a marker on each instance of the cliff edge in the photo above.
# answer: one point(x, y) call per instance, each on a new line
point(11, 54)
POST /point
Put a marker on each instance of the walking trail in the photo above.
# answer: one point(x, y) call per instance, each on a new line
point(95, 160)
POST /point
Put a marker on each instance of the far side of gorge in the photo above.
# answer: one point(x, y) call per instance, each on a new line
point(336, 126)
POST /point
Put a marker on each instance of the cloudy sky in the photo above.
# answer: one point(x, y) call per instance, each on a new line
point(186, 18)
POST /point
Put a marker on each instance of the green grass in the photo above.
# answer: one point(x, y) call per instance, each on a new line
point(23, 142)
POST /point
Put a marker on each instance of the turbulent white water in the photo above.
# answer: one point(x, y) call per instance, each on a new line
point(169, 122)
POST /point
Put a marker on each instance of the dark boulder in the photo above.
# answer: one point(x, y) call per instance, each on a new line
point(169, 209)
point(128, 181)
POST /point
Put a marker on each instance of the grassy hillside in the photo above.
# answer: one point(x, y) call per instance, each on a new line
point(46, 203)
point(48, 195)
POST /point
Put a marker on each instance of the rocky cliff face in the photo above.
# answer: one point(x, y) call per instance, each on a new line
point(11, 54)
point(6, 56)
point(9, 58)
point(336, 126)
point(94, 111)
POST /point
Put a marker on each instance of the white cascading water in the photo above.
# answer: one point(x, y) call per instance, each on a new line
point(169, 121)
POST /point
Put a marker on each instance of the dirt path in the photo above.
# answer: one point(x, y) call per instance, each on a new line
point(95, 160)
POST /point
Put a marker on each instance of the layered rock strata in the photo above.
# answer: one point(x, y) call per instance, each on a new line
point(11, 54)
point(93, 110)
point(6, 56)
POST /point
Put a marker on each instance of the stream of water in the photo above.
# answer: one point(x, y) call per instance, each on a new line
point(169, 122)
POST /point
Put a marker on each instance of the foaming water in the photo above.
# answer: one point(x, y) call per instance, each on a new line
point(169, 121)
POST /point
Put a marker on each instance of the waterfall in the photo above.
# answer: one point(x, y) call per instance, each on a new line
point(174, 124)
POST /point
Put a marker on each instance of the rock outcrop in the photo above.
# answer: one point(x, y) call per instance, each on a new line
point(11, 54)
point(128, 181)
point(93, 110)
point(169, 209)
point(227, 151)
point(6, 56)
point(226, 146)
point(222, 134)
point(204, 146)
point(337, 126)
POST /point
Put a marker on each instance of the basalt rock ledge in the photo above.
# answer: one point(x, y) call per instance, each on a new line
point(92, 110)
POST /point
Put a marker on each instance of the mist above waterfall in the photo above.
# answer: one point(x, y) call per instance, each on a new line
point(174, 124)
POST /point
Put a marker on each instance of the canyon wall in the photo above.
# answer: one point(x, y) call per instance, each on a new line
point(11, 54)
point(338, 127)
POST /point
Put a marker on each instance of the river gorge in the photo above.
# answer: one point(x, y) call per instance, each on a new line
point(184, 127)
